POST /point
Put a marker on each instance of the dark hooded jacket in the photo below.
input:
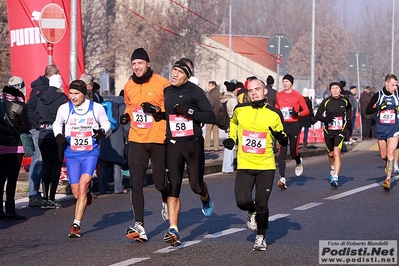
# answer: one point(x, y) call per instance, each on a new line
point(38, 86)
point(17, 111)
point(47, 106)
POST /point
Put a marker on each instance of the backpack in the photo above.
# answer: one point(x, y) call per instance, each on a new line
point(111, 109)
point(222, 117)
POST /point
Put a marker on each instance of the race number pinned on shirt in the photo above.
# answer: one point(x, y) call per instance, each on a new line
point(254, 142)
point(181, 126)
point(141, 119)
point(387, 117)
point(287, 113)
point(81, 141)
point(336, 124)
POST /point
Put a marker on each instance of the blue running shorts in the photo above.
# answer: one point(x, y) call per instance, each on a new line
point(78, 166)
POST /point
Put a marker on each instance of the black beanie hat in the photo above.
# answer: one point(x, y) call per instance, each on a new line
point(78, 85)
point(230, 86)
point(186, 68)
point(270, 80)
point(289, 77)
point(140, 53)
point(339, 84)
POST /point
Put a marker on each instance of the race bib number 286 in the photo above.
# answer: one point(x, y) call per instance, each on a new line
point(254, 142)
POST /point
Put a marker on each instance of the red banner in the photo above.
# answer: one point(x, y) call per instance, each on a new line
point(28, 49)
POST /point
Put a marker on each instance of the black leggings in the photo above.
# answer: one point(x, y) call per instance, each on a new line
point(139, 155)
point(292, 130)
point(9, 170)
point(244, 184)
point(52, 157)
point(179, 154)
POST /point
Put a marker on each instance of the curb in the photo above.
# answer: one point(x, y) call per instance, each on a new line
point(211, 166)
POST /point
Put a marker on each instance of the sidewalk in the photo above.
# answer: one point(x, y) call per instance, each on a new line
point(213, 164)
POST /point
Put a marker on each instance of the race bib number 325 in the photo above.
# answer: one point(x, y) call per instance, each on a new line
point(81, 141)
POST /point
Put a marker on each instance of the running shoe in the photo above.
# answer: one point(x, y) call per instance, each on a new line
point(299, 169)
point(207, 207)
point(45, 204)
point(136, 232)
point(35, 202)
point(52, 204)
point(75, 231)
point(164, 211)
point(281, 183)
point(331, 171)
point(172, 237)
point(387, 184)
point(90, 194)
point(251, 222)
point(333, 181)
point(260, 243)
point(396, 171)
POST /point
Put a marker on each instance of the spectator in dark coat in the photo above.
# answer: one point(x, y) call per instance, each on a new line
point(271, 93)
point(366, 119)
point(306, 121)
point(13, 107)
point(212, 129)
point(52, 155)
point(111, 152)
point(38, 86)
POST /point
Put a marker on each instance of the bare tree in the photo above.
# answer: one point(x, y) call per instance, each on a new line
point(5, 70)
point(372, 35)
point(98, 36)
point(332, 44)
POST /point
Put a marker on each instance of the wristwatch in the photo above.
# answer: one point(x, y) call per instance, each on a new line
point(190, 111)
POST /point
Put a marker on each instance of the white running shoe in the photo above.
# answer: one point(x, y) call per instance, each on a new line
point(251, 222)
point(136, 232)
point(299, 169)
point(164, 211)
point(281, 183)
point(260, 243)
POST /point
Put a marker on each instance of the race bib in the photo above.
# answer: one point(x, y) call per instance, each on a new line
point(287, 113)
point(387, 117)
point(336, 124)
point(141, 119)
point(180, 126)
point(81, 141)
point(253, 142)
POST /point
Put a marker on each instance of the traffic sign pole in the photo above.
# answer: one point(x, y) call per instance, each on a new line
point(52, 24)
point(50, 50)
point(280, 46)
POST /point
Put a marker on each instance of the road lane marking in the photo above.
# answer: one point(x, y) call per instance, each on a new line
point(277, 216)
point(129, 262)
point(307, 206)
point(183, 244)
point(224, 232)
point(359, 189)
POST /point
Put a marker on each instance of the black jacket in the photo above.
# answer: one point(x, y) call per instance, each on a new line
point(47, 105)
point(17, 112)
point(307, 121)
point(38, 86)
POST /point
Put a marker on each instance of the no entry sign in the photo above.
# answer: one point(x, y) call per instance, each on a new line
point(52, 23)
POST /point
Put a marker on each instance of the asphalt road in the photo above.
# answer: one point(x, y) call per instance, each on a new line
point(308, 211)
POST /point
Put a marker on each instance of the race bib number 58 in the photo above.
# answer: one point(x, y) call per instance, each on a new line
point(180, 126)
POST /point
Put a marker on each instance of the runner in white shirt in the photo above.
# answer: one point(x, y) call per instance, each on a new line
point(85, 123)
